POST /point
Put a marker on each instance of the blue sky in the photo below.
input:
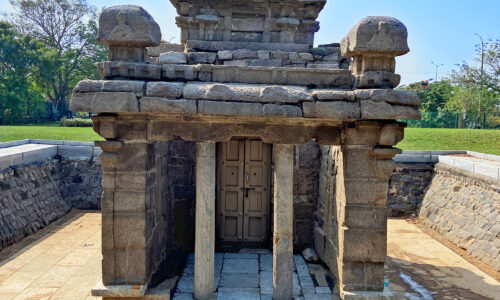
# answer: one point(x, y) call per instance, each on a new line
point(440, 30)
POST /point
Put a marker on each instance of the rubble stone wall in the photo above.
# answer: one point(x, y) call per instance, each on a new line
point(34, 195)
point(407, 187)
point(465, 208)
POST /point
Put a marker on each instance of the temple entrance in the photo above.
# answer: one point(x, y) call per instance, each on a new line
point(243, 193)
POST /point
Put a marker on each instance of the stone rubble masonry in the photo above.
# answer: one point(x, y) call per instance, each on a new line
point(465, 208)
point(34, 195)
point(328, 58)
point(242, 99)
point(407, 187)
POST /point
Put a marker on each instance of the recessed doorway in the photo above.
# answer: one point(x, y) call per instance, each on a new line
point(243, 193)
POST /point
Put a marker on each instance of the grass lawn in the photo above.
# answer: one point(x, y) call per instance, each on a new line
point(48, 132)
point(485, 141)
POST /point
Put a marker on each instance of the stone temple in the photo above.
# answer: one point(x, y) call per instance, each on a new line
point(243, 90)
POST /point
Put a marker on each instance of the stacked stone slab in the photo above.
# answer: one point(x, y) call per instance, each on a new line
point(193, 96)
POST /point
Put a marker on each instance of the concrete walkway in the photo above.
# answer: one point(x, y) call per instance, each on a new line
point(63, 261)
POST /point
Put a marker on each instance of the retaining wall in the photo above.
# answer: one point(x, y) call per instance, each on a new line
point(40, 182)
point(465, 208)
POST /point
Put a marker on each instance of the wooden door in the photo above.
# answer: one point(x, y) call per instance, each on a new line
point(243, 190)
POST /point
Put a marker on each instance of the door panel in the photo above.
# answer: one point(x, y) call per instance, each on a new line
point(257, 158)
point(243, 190)
point(230, 195)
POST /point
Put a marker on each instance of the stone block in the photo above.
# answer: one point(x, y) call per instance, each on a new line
point(164, 89)
point(279, 54)
point(278, 62)
point(237, 63)
point(244, 54)
point(135, 157)
point(104, 102)
point(368, 295)
point(238, 293)
point(365, 191)
point(359, 276)
point(364, 245)
point(231, 280)
point(110, 69)
point(230, 108)
point(201, 57)
point(225, 55)
point(162, 105)
point(131, 201)
point(163, 48)
point(330, 94)
point(134, 181)
point(305, 56)
point(399, 97)
point(173, 58)
point(331, 110)
point(129, 230)
point(234, 45)
point(240, 266)
point(101, 290)
point(263, 54)
point(322, 65)
point(365, 217)
point(282, 110)
point(384, 111)
point(487, 170)
point(180, 72)
point(131, 265)
point(109, 86)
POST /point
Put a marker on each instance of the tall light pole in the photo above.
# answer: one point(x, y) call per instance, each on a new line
point(437, 66)
point(482, 69)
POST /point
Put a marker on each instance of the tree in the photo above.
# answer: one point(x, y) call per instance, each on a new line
point(478, 84)
point(68, 27)
point(21, 99)
point(433, 95)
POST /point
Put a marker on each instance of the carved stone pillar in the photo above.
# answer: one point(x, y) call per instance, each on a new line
point(364, 165)
point(126, 214)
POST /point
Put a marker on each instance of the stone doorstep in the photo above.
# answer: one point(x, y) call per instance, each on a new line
point(101, 290)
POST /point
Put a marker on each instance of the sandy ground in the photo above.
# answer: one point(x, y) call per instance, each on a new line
point(63, 261)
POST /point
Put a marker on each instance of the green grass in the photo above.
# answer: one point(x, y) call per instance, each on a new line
point(485, 141)
point(48, 132)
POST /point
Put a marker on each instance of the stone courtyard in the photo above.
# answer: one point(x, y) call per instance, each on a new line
point(62, 261)
point(225, 156)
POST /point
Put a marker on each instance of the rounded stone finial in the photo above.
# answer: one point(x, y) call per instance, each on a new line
point(128, 26)
point(376, 35)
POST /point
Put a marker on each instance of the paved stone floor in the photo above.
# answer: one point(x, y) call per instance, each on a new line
point(63, 262)
point(249, 275)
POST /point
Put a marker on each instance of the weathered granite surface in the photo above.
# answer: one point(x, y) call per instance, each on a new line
point(171, 98)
